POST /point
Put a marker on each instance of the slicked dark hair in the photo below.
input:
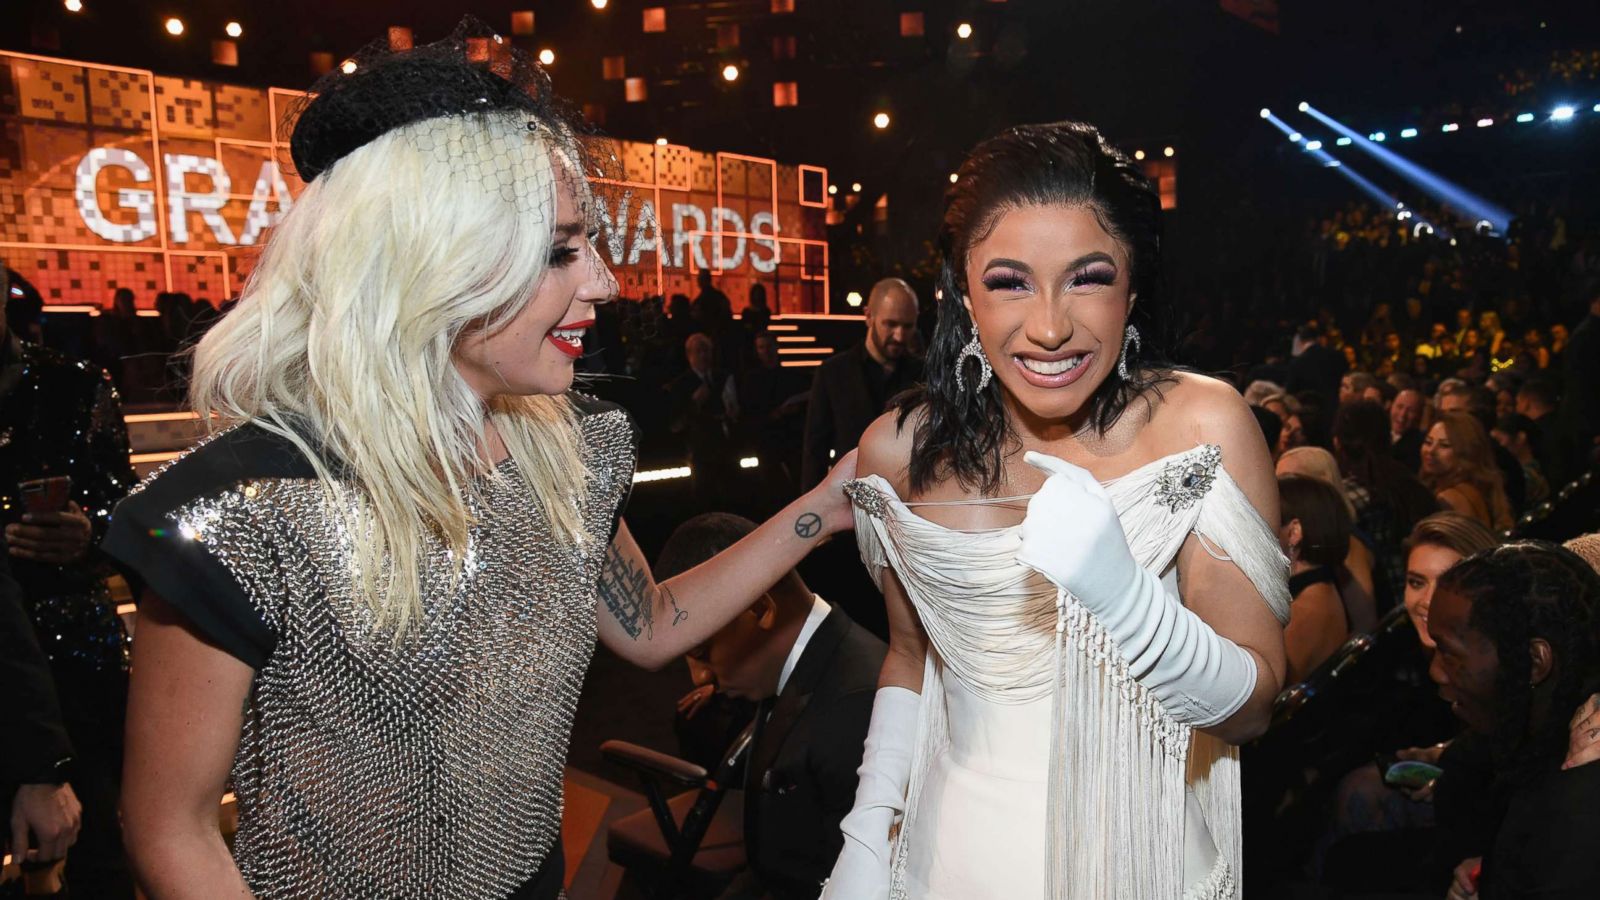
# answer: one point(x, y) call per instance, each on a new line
point(966, 434)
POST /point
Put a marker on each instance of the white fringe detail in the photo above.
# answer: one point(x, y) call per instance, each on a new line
point(1119, 762)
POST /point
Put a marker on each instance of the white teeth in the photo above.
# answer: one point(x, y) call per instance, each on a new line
point(1055, 367)
point(571, 335)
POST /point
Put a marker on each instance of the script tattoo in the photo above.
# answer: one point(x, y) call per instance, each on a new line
point(625, 589)
point(809, 525)
point(678, 615)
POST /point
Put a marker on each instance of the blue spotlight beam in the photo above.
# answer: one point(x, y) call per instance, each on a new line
point(1362, 183)
point(1446, 192)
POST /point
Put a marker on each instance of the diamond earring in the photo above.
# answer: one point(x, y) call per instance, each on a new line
point(985, 372)
point(1129, 336)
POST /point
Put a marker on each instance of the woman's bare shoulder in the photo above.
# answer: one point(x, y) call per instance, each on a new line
point(886, 445)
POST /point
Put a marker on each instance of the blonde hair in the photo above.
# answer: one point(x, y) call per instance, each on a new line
point(1318, 463)
point(342, 343)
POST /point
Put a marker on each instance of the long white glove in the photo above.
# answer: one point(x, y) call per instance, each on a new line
point(1073, 537)
point(862, 870)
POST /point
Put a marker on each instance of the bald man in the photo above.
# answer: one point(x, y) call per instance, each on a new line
point(853, 387)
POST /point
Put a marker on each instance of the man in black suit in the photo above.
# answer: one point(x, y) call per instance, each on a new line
point(813, 673)
point(41, 811)
point(1405, 438)
point(853, 387)
point(700, 415)
point(1315, 366)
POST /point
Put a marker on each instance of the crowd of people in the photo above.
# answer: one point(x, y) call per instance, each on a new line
point(1074, 640)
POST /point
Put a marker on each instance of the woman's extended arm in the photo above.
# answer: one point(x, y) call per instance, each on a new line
point(651, 624)
point(185, 711)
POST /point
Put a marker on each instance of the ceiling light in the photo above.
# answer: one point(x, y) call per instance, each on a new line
point(881, 121)
point(234, 29)
point(174, 26)
point(547, 57)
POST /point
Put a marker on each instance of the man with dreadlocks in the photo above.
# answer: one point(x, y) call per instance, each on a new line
point(1518, 634)
point(373, 596)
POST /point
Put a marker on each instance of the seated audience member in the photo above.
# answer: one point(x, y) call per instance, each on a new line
point(1519, 435)
point(813, 673)
point(1458, 467)
point(1518, 636)
point(1479, 402)
point(1536, 399)
point(1261, 390)
point(1315, 535)
point(1353, 574)
point(1387, 496)
point(1353, 386)
point(1405, 433)
point(1271, 427)
point(700, 416)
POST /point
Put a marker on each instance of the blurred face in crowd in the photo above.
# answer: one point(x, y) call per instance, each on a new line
point(1348, 392)
point(742, 660)
point(1292, 436)
point(1505, 402)
point(1049, 291)
point(1515, 444)
point(1463, 319)
point(1391, 342)
point(1453, 402)
point(1437, 332)
point(1438, 457)
point(1277, 407)
point(1424, 565)
point(891, 319)
point(1465, 662)
point(699, 350)
point(767, 350)
point(1470, 341)
point(1405, 413)
point(1350, 356)
point(1558, 333)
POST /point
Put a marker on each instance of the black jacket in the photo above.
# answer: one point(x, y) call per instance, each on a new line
point(35, 745)
point(843, 404)
point(801, 777)
point(1545, 845)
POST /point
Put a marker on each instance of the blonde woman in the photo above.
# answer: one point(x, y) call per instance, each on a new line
point(372, 598)
point(1354, 571)
point(1458, 466)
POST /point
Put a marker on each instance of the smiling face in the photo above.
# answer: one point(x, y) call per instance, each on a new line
point(535, 351)
point(1465, 662)
point(1438, 456)
point(1048, 289)
point(1424, 565)
point(1405, 412)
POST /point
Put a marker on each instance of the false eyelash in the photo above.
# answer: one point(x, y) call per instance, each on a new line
point(563, 256)
point(1005, 283)
point(1098, 276)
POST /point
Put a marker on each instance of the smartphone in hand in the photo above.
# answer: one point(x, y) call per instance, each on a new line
point(46, 495)
point(1406, 773)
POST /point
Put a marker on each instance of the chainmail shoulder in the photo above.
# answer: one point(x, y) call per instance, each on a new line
point(429, 768)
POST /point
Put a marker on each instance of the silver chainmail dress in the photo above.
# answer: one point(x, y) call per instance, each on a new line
point(431, 769)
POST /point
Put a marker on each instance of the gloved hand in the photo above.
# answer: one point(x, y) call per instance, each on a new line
point(1073, 537)
point(862, 870)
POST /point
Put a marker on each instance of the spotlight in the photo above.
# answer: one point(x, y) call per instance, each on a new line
point(547, 57)
point(730, 73)
point(661, 142)
point(234, 29)
point(1303, 106)
point(1408, 132)
point(853, 298)
point(1485, 123)
point(348, 66)
point(855, 187)
point(1342, 142)
point(1597, 107)
point(1452, 242)
point(964, 31)
point(954, 178)
point(74, 5)
point(174, 26)
point(1168, 152)
point(1562, 113)
point(1451, 127)
point(1377, 137)
point(1266, 113)
point(1524, 118)
point(1294, 137)
point(1332, 164)
point(880, 121)
point(1484, 226)
point(833, 189)
point(1312, 146)
point(1138, 154)
point(598, 4)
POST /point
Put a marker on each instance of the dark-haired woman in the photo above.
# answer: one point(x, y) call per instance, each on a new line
point(1052, 720)
point(1315, 535)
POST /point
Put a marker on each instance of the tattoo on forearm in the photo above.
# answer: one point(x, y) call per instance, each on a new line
point(809, 525)
point(678, 615)
point(625, 590)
